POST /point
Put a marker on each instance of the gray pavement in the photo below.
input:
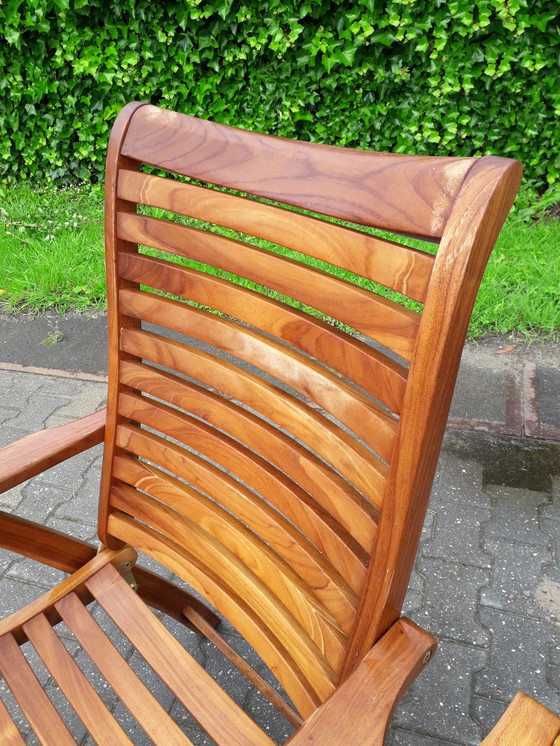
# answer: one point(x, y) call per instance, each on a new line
point(487, 577)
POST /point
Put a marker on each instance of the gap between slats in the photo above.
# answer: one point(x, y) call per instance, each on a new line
point(391, 264)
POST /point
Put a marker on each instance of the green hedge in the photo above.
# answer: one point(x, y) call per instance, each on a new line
point(456, 77)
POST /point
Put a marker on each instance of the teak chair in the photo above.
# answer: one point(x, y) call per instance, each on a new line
point(276, 457)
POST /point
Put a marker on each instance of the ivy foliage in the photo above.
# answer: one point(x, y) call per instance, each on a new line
point(461, 77)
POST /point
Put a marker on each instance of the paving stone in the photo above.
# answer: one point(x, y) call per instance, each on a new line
point(18, 385)
point(438, 703)
point(7, 413)
point(10, 435)
point(266, 716)
point(10, 499)
point(402, 737)
point(39, 408)
point(518, 658)
point(35, 572)
point(458, 481)
point(456, 535)
point(15, 595)
point(88, 398)
point(450, 602)
point(517, 573)
point(515, 516)
point(70, 474)
point(83, 505)
point(487, 712)
point(40, 500)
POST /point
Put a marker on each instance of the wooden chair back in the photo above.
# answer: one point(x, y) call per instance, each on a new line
point(274, 422)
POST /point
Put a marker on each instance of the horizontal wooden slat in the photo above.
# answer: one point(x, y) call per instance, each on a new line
point(279, 533)
point(296, 674)
point(335, 596)
point(330, 442)
point(244, 567)
point(398, 192)
point(101, 725)
point(307, 513)
point(381, 376)
point(391, 264)
point(381, 319)
point(182, 674)
point(132, 691)
point(34, 703)
point(374, 425)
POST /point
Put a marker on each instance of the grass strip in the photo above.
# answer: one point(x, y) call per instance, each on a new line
point(51, 254)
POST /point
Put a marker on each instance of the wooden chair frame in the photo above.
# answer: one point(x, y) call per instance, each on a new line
point(342, 436)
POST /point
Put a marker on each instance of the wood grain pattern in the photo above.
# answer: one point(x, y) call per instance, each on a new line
point(389, 263)
point(387, 322)
point(133, 692)
point(294, 676)
point(89, 707)
point(373, 424)
point(412, 194)
point(8, 732)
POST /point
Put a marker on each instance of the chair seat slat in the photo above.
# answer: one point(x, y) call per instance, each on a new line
point(34, 703)
point(173, 663)
point(78, 691)
point(385, 321)
point(391, 264)
point(132, 691)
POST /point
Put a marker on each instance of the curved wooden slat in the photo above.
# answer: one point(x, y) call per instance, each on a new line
point(375, 426)
point(307, 426)
point(267, 481)
point(239, 557)
point(149, 479)
point(264, 520)
point(389, 263)
point(381, 319)
point(381, 376)
point(298, 674)
point(412, 194)
point(308, 513)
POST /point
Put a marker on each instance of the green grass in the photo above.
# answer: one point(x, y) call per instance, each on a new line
point(51, 254)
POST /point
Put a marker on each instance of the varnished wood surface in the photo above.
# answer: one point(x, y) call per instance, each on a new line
point(35, 453)
point(360, 710)
point(412, 194)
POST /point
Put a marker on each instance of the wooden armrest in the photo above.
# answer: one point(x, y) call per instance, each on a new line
point(35, 453)
point(525, 723)
point(360, 710)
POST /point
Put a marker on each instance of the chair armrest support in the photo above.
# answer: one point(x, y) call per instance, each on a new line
point(360, 710)
point(39, 451)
